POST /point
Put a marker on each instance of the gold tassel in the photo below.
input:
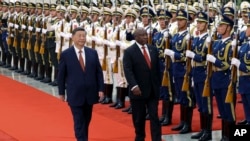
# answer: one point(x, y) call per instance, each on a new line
point(42, 49)
point(36, 48)
point(115, 68)
point(165, 79)
point(9, 41)
point(15, 42)
point(229, 97)
point(28, 45)
point(22, 44)
point(206, 90)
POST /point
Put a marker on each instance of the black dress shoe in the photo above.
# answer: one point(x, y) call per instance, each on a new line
point(39, 78)
point(240, 101)
point(218, 116)
point(25, 73)
point(243, 122)
point(198, 135)
point(130, 111)
point(7, 66)
point(178, 127)
point(127, 109)
point(119, 106)
point(113, 104)
point(107, 101)
point(206, 136)
point(32, 75)
point(46, 80)
point(186, 129)
point(166, 121)
point(19, 70)
point(162, 118)
point(13, 68)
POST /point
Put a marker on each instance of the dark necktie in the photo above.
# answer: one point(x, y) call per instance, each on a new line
point(145, 54)
point(81, 60)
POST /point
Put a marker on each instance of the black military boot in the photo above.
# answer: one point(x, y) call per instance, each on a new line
point(188, 120)
point(4, 59)
point(121, 98)
point(9, 59)
point(48, 71)
point(15, 63)
point(27, 68)
point(202, 126)
point(54, 83)
point(41, 73)
point(34, 70)
point(169, 112)
point(108, 89)
point(163, 111)
point(181, 125)
point(21, 68)
point(207, 135)
point(118, 89)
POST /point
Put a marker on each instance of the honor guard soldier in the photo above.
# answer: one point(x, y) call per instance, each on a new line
point(50, 44)
point(84, 16)
point(243, 65)
point(17, 39)
point(6, 56)
point(117, 35)
point(19, 36)
point(177, 53)
point(102, 51)
point(198, 54)
point(38, 67)
point(24, 36)
point(243, 21)
point(166, 91)
point(220, 78)
point(92, 29)
point(31, 40)
point(173, 21)
point(44, 47)
point(146, 14)
point(70, 24)
point(59, 27)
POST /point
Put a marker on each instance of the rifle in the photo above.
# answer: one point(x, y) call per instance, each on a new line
point(42, 47)
point(231, 87)
point(71, 24)
point(207, 88)
point(37, 25)
point(10, 20)
point(15, 30)
point(115, 69)
point(93, 32)
point(186, 81)
point(61, 41)
point(150, 27)
point(105, 47)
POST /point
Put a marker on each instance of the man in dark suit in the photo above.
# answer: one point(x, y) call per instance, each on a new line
point(80, 73)
point(141, 68)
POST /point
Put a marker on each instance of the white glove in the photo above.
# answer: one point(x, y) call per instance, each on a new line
point(44, 31)
point(99, 41)
point(16, 26)
point(190, 54)
point(166, 34)
point(38, 29)
point(208, 40)
point(211, 58)
point(30, 28)
point(94, 38)
point(105, 42)
point(118, 43)
point(112, 45)
point(62, 34)
point(235, 62)
point(23, 26)
point(130, 27)
point(169, 52)
point(11, 24)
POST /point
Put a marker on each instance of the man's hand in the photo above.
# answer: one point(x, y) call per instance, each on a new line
point(62, 97)
point(101, 95)
point(136, 91)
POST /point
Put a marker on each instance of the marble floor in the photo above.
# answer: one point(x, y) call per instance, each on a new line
point(52, 90)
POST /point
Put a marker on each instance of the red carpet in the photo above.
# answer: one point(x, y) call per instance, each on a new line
point(28, 114)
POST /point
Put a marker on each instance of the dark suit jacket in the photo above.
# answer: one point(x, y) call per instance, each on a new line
point(81, 86)
point(138, 73)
